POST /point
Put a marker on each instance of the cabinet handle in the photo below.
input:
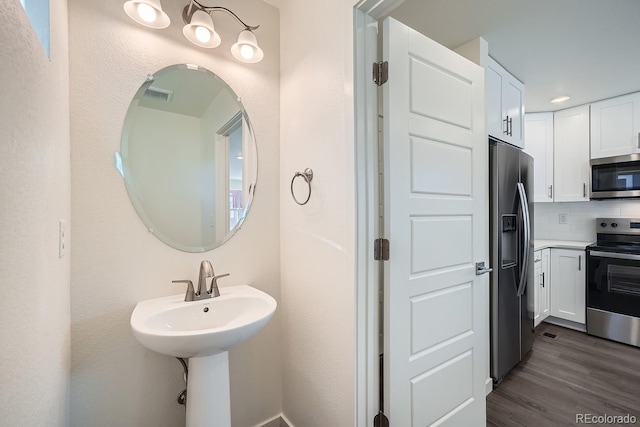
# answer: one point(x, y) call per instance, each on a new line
point(506, 125)
point(584, 190)
point(579, 262)
point(638, 139)
point(543, 279)
point(551, 191)
point(510, 123)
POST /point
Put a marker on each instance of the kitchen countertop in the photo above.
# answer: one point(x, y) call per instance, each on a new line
point(561, 244)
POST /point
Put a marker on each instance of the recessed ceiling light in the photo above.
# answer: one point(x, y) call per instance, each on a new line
point(558, 99)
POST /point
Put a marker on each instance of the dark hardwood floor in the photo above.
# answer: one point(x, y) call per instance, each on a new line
point(574, 373)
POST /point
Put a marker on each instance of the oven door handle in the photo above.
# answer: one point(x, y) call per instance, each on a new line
point(614, 255)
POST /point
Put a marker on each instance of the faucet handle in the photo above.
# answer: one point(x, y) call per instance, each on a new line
point(214, 291)
point(190, 295)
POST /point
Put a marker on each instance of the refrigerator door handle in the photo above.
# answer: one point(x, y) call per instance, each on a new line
point(524, 204)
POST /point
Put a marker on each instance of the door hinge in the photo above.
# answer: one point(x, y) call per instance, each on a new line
point(381, 250)
point(380, 72)
point(380, 420)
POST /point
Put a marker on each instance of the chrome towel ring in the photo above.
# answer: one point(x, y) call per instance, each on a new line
point(307, 175)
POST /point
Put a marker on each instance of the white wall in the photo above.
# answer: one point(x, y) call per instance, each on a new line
point(169, 190)
point(317, 241)
point(581, 218)
point(34, 195)
point(116, 262)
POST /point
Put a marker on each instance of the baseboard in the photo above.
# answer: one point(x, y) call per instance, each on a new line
point(488, 384)
point(566, 324)
point(277, 421)
point(285, 421)
point(273, 422)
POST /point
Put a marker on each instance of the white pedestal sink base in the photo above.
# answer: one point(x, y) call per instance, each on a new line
point(208, 396)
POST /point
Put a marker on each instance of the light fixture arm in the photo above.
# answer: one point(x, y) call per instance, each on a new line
point(194, 6)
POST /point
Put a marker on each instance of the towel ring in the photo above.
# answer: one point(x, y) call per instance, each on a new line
point(307, 175)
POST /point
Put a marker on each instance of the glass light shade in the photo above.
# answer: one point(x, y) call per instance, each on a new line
point(246, 48)
point(202, 34)
point(148, 13)
point(199, 28)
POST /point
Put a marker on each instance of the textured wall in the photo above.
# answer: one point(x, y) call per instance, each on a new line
point(317, 241)
point(34, 195)
point(116, 262)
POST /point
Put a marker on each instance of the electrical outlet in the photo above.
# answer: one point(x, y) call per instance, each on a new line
point(562, 218)
point(62, 235)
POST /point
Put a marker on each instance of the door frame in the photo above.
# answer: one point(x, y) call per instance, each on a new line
point(368, 272)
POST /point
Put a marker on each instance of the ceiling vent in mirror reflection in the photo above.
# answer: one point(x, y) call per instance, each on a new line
point(161, 94)
point(180, 161)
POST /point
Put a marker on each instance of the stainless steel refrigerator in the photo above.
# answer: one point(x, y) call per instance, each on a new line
point(511, 240)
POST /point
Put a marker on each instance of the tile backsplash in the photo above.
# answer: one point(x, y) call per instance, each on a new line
point(579, 218)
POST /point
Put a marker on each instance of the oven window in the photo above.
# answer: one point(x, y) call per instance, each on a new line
point(623, 279)
point(613, 284)
point(616, 177)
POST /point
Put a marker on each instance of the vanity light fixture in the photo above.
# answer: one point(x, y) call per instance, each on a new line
point(559, 99)
point(198, 28)
point(200, 32)
point(148, 13)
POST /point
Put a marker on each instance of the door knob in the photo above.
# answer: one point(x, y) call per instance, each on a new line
point(482, 269)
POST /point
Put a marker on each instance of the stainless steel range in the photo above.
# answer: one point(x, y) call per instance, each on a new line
point(613, 281)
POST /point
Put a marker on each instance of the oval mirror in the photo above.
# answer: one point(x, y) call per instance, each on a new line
point(188, 158)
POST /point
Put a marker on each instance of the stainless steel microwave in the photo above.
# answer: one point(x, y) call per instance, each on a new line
point(615, 177)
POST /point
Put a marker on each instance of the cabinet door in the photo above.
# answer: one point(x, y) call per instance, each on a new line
point(571, 154)
point(493, 83)
point(537, 275)
point(615, 126)
point(541, 286)
point(538, 142)
point(513, 109)
point(545, 283)
point(505, 104)
point(568, 288)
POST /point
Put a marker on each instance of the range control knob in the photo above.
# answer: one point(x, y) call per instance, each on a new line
point(614, 224)
point(603, 224)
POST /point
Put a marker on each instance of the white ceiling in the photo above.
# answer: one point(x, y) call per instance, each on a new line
point(587, 49)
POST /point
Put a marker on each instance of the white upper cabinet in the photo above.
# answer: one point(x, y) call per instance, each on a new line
point(538, 142)
point(505, 105)
point(571, 167)
point(615, 126)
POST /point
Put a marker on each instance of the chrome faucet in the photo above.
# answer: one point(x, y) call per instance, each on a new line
point(214, 291)
point(206, 271)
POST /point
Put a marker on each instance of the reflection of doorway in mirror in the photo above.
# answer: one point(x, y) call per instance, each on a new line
point(236, 205)
point(230, 166)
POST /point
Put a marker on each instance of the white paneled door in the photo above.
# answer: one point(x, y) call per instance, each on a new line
point(436, 192)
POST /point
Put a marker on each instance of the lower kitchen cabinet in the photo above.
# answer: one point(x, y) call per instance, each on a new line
point(567, 284)
point(541, 286)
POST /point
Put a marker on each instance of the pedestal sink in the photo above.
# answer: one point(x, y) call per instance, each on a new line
point(203, 331)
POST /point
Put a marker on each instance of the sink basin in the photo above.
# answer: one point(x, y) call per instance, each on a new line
point(171, 326)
